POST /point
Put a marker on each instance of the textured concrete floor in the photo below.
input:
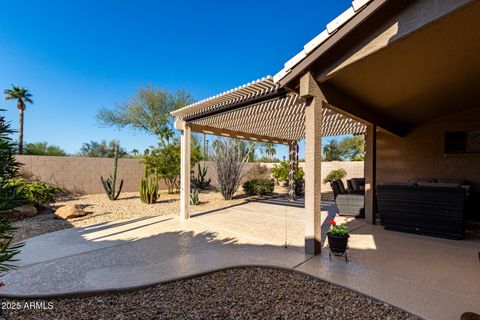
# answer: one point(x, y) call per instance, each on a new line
point(434, 278)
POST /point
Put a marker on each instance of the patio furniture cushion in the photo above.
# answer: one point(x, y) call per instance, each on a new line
point(337, 187)
point(357, 184)
point(350, 204)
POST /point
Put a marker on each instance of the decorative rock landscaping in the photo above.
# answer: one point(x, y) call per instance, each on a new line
point(243, 293)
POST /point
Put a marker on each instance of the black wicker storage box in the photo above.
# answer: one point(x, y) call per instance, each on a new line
point(430, 210)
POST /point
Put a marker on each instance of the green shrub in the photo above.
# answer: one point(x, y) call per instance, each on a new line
point(37, 192)
point(259, 187)
point(335, 175)
point(280, 172)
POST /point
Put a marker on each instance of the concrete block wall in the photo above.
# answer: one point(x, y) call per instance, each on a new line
point(81, 175)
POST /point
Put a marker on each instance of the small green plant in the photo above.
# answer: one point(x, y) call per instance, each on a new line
point(337, 230)
point(194, 199)
point(37, 192)
point(109, 184)
point(280, 172)
point(259, 187)
point(200, 181)
point(335, 175)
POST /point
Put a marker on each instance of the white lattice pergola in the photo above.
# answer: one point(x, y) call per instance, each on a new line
point(261, 111)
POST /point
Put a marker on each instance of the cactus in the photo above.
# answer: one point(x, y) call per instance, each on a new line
point(194, 200)
point(149, 189)
point(200, 182)
point(109, 184)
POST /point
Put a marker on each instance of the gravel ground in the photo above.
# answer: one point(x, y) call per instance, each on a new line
point(128, 205)
point(244, 293)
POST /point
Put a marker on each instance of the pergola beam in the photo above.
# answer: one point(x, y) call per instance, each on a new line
point(236, 134)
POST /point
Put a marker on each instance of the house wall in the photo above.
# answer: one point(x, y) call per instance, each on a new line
point(421, 153)
point(81, 175)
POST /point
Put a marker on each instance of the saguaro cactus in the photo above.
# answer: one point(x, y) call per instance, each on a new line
point(109, 184)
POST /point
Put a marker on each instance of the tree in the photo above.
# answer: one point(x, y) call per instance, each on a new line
point(331, 151)
point(11, 196)
point(21, 95)
point(148, 111)
point(102, 149)
point(353, 148)
point(164, 161)
point(269, 149)
point(281, 172)
point(43, 149)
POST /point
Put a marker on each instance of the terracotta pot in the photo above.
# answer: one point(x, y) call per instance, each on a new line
point(338, 244)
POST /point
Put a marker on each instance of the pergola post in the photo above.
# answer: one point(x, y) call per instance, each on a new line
point(293, 164)
point(370, 172)
point(185, 172)
point(314, 98)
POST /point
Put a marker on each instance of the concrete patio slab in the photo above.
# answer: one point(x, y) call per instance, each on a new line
point(434, 278)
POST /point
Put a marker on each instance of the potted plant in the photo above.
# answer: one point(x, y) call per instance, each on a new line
point(337, 238)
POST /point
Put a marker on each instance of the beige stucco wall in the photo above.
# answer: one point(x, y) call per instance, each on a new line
point(421, 153)
point(82, 174)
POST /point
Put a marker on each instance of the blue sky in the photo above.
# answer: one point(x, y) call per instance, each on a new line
point(79, 56)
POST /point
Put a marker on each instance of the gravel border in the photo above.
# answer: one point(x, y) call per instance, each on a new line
point(242, 292)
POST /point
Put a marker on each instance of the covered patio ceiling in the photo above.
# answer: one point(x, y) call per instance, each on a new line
point(261, 111)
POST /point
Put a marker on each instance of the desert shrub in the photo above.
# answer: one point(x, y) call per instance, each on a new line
point(280, 172)
point(10, 196)
point(335, 175)
point(37, 192)
point(259, 187)
point(229, 166)
point(164, 161)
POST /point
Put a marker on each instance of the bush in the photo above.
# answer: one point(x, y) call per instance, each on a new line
point(37, 192)
point(335, 175)
point(280, 172)
point(229, 166)
point(259, 187)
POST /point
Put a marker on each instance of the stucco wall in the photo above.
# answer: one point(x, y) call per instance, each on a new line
point(82, 174)
point(421, 153)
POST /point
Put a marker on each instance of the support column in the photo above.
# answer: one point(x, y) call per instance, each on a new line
point(314, 98)
point(292, 158)
point(185, 172)
point(370, 173)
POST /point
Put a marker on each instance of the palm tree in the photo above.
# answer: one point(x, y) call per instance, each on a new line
point(21, 95)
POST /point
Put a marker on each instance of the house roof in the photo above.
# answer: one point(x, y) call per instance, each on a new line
point(327, 36)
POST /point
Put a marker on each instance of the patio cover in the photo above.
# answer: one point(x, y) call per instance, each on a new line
point(261, 111)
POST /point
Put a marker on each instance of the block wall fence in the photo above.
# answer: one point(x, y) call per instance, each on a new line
point(81, 175)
